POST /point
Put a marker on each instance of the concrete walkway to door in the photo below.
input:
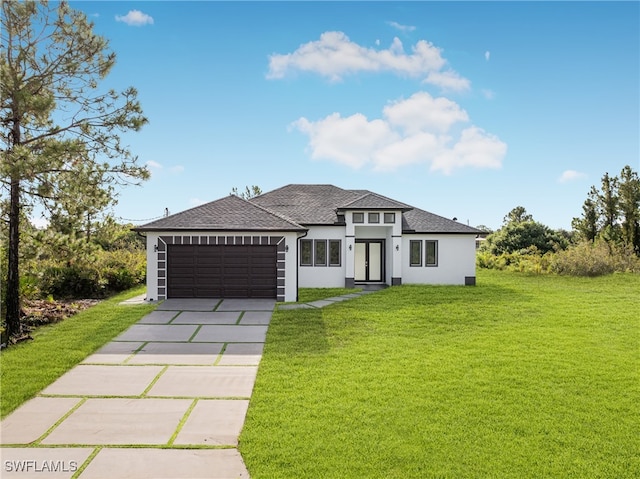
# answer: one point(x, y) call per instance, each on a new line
point(165, 399)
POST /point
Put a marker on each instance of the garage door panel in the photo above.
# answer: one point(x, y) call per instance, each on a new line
point(227, 271)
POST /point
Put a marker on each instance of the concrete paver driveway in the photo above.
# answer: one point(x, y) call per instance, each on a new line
point(165, 399)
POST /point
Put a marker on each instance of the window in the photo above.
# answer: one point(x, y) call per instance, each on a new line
point(306, 253)
point(320, 253)
point(374, 217)
point(335, 252)
point(431, 253)
point(415, 251)
point(389, 217)
point(358, 217)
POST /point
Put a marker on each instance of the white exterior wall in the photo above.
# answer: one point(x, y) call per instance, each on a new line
point(323, 276)
point(456, 260)
point(291, 290)
point(152, 266)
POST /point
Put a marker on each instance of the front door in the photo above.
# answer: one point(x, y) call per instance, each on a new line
point(369, 258)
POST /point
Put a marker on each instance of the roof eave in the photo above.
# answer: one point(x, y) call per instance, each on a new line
point(349, 208)
point(419, 232)
point(207, 228)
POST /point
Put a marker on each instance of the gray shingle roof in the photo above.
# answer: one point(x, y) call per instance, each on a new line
point(375, 201)
point(420, 221)
point(292, 207)
point(307, 204)
point(228, 213)
point(317, 205)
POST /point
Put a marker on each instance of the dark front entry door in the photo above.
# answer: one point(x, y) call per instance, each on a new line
point(369, 258)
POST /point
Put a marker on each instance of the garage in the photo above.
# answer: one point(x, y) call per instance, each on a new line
point(221, 271)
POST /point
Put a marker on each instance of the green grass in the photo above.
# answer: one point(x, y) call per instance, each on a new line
point(518, 377)
point(308, 295)
point(28, 367)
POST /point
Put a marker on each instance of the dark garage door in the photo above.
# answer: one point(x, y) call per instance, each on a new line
point(221, 271)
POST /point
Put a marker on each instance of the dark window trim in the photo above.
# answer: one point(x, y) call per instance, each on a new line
point(426, 259)
point(393, 215)
point(370, 217)
point(311, 261)
point(315, 252)
point(354, 217)
point(411, 243)
point(339, 242)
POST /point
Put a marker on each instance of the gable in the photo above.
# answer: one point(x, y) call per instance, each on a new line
point(374, 201)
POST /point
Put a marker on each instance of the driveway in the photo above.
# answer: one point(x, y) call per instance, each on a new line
point(165, 399)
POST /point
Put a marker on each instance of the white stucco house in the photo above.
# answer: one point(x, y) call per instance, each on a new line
point(303, 236)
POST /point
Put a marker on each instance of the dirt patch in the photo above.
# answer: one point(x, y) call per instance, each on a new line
point(35, 313)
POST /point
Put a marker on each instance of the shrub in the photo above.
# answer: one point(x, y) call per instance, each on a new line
point(595, 259)
point(583, 259)
point(527, 260)
point(108, 272)
point(75, 281)
point(123, 269)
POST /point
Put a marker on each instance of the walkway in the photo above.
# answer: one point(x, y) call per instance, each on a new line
point(321, 303)
point(165, 399)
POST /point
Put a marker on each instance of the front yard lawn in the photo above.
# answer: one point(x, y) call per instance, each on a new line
point(518, 377)
point(28, 367)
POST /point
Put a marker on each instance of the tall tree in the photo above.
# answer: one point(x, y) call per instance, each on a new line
point(517, 215)
point(59, 130)
point(587, 225)
point(520, 232)
point(629, 205)
point(608, 202)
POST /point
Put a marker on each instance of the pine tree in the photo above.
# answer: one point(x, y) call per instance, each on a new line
point(60, 132)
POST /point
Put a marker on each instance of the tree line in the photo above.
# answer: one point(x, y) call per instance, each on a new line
point(612, 213)
point(605, 238)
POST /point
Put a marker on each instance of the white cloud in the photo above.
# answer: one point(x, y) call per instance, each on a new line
point(422, 112)
point(571, 175)
point(417, 130)
point(193, 202)
point(154, 164)
point(487, 55)
point(135, 18)
point(475, 148)
point(335, 55)
point(448, 80)
point(350, 141)
point(402, 28)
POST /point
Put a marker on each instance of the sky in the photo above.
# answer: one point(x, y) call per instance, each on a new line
point(463, 109)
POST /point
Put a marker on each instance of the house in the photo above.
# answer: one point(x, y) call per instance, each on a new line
point(303, 236)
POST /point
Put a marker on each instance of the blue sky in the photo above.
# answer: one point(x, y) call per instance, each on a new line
point(462, 109)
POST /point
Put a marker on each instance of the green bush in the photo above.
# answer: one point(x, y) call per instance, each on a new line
point(124, 269)
point(109, 272)
point(582, 259)
point(29, 287)
point(595, 259)
point(527, 260)
point(76, 281)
